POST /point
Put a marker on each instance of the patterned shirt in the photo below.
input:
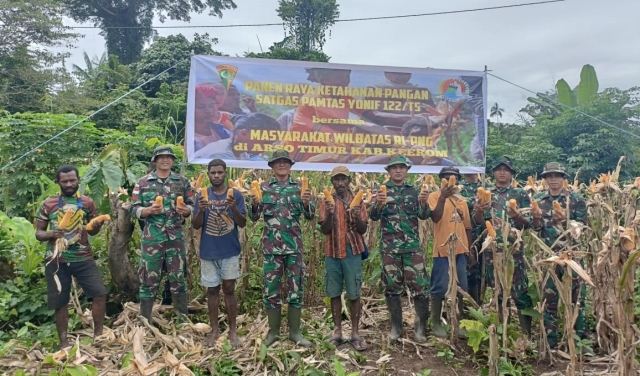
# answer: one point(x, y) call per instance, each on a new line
point(281, 207)
point(469, 192)
point(343, 229)
point(399, 219)
point(51, 212)
point(550, 231)
point(498, 212)
point(167, 224)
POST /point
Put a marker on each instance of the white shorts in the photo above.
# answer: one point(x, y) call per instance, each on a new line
point(215, 271)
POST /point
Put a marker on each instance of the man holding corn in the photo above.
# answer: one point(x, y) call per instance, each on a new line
point(399, 206)
point(343, 219)
point(281, 201)
point(551, 212)
point(68, 219)
point(163, 198)
point(505, 207)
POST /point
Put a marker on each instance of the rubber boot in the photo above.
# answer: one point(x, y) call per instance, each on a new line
point(180, 305)
point(395, 317)
point(436, 322)
point(166, 294)
point(525, 323)
point(474, 292)
point(462, 333)
point(146, 306)
point(420, 322)
point(295, 334)
point(274, 316)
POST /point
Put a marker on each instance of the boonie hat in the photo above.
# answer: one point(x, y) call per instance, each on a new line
point(398, 159)
point(162, 150)
point(340, 170)
point(554, 167)
point(280, 154)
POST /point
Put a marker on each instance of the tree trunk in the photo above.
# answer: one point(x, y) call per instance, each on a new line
point(123, 274)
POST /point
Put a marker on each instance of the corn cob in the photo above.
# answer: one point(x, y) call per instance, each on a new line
point(383, 189)
point(159, 200)
point(369, 195)
point(530, 181)
point(557, 206)
point(487, 195)
point(230, 192)
point(480, 194)
point(452, 181)
point(199, 182)
point(314, 192)
point(98, 219)
point(327, 196)
point(66, 219)
point(424, 188)
point(534, 204)
point(255, 189)
point(305, 184)
point(490, 229)
point(514, 184)
point(543, 183)
point(205, 194)
point(444, 183)
point(357, 199)
point(565, 184)
point(180, 201)
point(513, 203)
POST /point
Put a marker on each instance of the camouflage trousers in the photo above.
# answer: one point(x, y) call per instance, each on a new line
point(274, 268)
point(551, 312)
point(172, 255)
point(520, 284)
point(408, 268)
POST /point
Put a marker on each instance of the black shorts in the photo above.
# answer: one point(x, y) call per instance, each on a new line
point(87, 274)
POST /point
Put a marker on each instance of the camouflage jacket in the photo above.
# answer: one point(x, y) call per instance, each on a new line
point(168, 224)
point(469, 192)
point(281, 207)
point(399, 219)
point(550, 231)
point(498, 212)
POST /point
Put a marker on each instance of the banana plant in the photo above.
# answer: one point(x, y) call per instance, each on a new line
point(566, 97)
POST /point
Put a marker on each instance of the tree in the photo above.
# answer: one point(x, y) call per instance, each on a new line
point(286, 50)
point(496, 111)
point(308, 21)
point(91, 72)
point(127, 24)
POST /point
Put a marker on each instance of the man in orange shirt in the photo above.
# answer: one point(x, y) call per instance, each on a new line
point(450, 215)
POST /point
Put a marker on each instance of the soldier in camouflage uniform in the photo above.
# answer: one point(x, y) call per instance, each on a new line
point(498, 211)
point(163, 239)
point(282, 205)
point(470, 186)
point(549, 224)
point(400, 247)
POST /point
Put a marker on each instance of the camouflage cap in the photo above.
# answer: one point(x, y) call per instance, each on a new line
point(340, 170)
point(554, 167)
point(504, 160)
point(398, 159)
point(280, 154)
point(162, 150)
point(449, 170)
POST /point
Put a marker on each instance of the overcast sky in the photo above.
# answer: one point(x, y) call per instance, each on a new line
point(533, 46)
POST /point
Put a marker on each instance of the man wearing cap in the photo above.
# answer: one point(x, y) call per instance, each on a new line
point(497, 211)
point(550, 224)
point(470, 185)
point(450, 215)
point(281, 206)
point(402, 254)
point(163, 239)
point(344, 227)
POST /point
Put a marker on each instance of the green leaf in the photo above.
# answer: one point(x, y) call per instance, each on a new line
point(338, 367)
point(588, 86)
point(126, 360)
point(531, 312)
point(472, 325)
point(113, 175)
point(263, 352)
point(75, 371)
point(474, 339)
point(22, 331)
point(565, 94)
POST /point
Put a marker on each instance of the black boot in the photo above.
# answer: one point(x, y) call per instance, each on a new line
point(274, 317)
point(166, 294)
point(181, 304)
point(525, 323)
point(421, 304)
point(395, 317)
point(295, 332)
point(436, 323)
point(146, 306)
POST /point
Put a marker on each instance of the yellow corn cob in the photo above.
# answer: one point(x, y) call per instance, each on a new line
point(357, 199)
point(369, 195)
point(480, 194)
point(66, 219)
point(241, 179)
point(428, 179)
point(180, 201)
point(199, 182)
point(530, 181)
point(514, 184)
point(444, 183)
point(479, 176)
point(205, 194)
point(230, 192)
point(565, 184)
point(327, 196)
point(159, 200)
point(233, 184)
point(256, 192)
point(534, 204)
point(98, 219)
point(487, 195)
point(383, 189)
point(490, 229)
point(513, 203)
point(543, 183)
point(314, 192)
point(557, 206)
point(305, 184)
